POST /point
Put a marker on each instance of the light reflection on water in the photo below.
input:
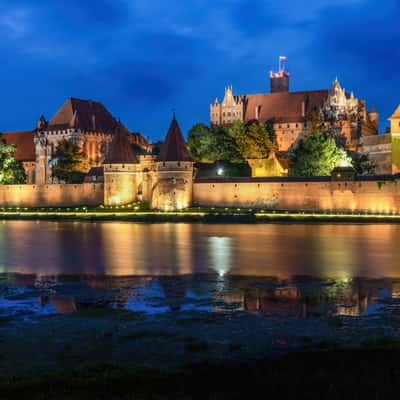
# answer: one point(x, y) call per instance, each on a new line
point(286, 270)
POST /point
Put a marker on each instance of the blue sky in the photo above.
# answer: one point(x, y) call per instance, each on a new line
point(144, 58)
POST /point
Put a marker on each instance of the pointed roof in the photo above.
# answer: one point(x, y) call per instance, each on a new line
point(120, 151)
point(174, 147)
point(396, 114)
point(87, 114)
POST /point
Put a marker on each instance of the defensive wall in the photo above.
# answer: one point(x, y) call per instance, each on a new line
point(51, 195)
point(378, 194)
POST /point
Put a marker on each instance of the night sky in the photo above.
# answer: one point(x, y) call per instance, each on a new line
point(143, 58)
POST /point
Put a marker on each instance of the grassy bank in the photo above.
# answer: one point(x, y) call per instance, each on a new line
point(140, 213)
point(356, 374)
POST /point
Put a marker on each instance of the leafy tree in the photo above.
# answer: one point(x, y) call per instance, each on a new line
point(212, 144)
point(11, 170)
point(317, 155)
point(195, 136)
point(218, 144)
point(70, 163)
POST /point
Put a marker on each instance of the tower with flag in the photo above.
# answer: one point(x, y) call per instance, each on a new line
point(279, 81)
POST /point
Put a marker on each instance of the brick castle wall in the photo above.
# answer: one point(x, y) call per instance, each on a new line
point(324, 195)
point(51, 195)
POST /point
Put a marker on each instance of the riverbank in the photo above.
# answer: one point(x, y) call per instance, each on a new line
point(356, 374)
point(193, 215)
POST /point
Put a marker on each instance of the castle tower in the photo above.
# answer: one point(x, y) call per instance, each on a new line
point(395, 132)
point(279, 81)
point(120, 169)
point(174, 177)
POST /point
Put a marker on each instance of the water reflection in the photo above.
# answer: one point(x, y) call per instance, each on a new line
point(300, 297)
point(126, 249)
point(277, 270)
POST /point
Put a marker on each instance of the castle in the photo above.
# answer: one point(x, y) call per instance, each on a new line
point(291, 113)
point(86, 123)
point(169, 181)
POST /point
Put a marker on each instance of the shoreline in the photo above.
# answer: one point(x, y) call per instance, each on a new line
point(199, 216)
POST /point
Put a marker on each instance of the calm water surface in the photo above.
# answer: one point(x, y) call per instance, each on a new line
point(292, 270)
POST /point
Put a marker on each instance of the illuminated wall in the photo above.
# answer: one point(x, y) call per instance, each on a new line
point(371, 196)
point(119, 184)
point(173, 186)
point(51, 195)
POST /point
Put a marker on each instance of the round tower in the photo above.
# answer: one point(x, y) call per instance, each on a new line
point(174, 173)
point(120, 169)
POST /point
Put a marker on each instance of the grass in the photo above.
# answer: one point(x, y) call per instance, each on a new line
point(200, 214)
point(367, 374)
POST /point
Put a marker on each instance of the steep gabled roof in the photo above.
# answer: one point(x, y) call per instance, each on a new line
point(396, 114)
point(23, 141)
point(88, 115)
point(120, 151)
point(283, 107)
point(174, 147)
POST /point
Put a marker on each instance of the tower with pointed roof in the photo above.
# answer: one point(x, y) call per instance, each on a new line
point(120, 170)
point(174, 173)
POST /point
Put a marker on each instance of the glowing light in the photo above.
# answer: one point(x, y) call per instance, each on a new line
point(220, 171)
point(220, 254)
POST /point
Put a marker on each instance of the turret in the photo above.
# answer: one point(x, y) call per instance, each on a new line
point(174, 176)
point(120, 170)
point(279, 81)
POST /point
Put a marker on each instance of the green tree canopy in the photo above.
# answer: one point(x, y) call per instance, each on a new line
point(253, 140)
point(212, 144)
point(233, 144)
point(11, 170)
point(317, 155)
point(70, 163)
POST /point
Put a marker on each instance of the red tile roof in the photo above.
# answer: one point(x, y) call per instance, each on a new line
point(121, 151)
point(283, 107)
point(87, 115)
point(23, 141)
point(174, 147)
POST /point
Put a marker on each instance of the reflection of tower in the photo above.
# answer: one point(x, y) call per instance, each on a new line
point(279, 81)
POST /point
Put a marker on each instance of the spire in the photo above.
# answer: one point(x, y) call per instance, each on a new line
point(120, 151)
point(174, 147)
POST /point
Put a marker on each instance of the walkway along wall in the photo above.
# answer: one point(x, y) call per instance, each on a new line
point(365, 194)
point(51, 195)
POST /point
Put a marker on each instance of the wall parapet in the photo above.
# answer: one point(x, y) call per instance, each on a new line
point(51, 195)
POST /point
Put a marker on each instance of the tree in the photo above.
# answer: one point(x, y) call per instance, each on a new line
point(212, 144)
point(194, 143)
point(317, 155)
point(253, 140)
point(70, 163)
point(11, 170)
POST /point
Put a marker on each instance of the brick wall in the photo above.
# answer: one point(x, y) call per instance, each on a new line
point(51, 195)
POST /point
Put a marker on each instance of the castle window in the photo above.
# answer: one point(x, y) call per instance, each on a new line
point(179, 164)
point(163, 164)
point(288, 125)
